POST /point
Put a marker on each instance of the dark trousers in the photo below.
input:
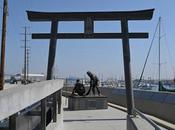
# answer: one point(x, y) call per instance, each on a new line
point(93, 89)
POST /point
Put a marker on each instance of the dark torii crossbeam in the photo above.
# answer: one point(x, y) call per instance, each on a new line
point(89, 18)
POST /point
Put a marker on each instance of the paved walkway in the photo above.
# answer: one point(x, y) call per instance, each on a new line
point(109, 119)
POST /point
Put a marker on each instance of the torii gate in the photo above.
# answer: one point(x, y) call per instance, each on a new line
point(89, 18)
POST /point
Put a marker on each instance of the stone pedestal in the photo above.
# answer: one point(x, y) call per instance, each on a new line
point(87, 102)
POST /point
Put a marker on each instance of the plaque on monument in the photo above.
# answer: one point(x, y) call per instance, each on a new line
point(87, 102)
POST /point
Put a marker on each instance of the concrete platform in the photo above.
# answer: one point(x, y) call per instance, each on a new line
point(87, 102)
point(106, 119)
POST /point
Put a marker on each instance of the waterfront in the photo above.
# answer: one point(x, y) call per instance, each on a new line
point(35, 97)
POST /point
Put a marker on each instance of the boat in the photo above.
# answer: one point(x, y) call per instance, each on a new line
point(162, 88)
point(160, 84)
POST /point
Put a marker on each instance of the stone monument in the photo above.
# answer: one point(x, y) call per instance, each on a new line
point(77, 101)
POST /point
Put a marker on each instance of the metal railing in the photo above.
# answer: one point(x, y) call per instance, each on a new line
point(147, 119)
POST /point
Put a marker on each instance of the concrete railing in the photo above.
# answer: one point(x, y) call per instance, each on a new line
point(32, 106)
point(159, 104)
point(154, 125)
point(15, 99)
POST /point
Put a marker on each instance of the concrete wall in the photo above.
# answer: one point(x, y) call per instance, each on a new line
point(87, 103)
point(159, 104)
point(27, 122)
point(17, 98)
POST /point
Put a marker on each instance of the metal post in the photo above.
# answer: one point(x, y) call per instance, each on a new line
point(88, 26)
point(52, 49)
point(55, 107)
point(43, 114)
point(3, 42)
point(59, 95)
point(12, 122)
point(159, 50)
point(127, 67)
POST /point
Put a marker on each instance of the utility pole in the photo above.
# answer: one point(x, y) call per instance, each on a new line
point(27, 62)
point(25, 53)
point(3, 42)
point(25, 48)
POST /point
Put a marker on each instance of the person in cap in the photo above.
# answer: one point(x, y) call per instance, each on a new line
point(94, 83)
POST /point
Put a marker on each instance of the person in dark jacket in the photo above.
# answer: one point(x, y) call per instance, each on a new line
point(94, 83)
point(78, 89)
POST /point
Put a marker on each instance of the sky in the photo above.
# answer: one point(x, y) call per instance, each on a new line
point(103, 57)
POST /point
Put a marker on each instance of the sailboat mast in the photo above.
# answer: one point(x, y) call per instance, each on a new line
point(3, 42)
point(159, 48)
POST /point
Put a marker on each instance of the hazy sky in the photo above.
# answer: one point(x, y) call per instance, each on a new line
point(104, 57)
